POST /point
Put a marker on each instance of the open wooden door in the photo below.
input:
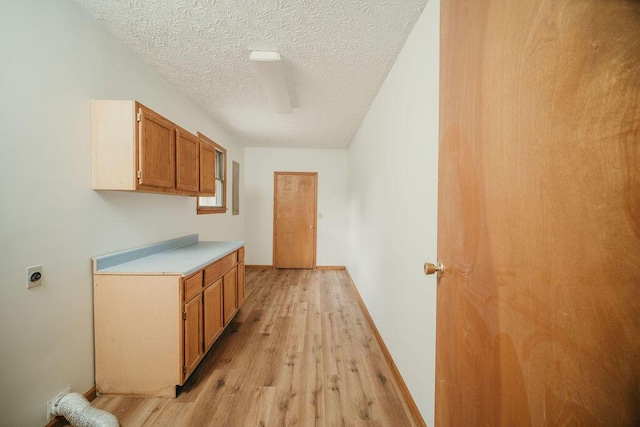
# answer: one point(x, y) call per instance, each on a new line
point(538, 318)
point(294, 219)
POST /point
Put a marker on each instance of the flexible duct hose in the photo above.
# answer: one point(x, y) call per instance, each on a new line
point(79, 412)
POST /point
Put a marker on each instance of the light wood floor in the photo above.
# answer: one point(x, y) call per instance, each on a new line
point(300, 352)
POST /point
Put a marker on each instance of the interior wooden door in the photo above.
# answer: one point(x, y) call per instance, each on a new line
point(156, 150)
point(538, 316)
point(294, 219)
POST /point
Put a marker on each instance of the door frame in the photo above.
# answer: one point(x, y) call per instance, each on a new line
point(315, 213)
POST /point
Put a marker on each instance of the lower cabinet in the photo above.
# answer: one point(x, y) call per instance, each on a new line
point(230, 285)
point(213, 322)
point(240, 276)
point(152, 331)
point(240, 283)
point(193, 351)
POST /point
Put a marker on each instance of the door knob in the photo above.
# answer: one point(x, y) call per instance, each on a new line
point(311, 226)
point(434, 268)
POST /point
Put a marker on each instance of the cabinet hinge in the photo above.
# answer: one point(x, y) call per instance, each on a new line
point(138, 117)
point(184, 315)
point(139, 174)
point(184, 369)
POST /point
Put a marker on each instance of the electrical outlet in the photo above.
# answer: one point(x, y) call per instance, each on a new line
point(50, 416)
point(34, 276)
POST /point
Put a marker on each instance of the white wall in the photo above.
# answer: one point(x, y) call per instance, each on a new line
point(55, 58)
point(393, 162)
point(331, 165)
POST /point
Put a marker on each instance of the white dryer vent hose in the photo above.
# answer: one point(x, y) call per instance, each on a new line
point(79, 412)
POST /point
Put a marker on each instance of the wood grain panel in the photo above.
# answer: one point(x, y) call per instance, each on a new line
point(192, 285)
point(207, 169)
point(218, 268)
point(157, 150)
point(539, 213)
point(294, 227)
point(213, 321)
point(187, 161)
point(230, 295)
point(192, 335)
point(241, 283)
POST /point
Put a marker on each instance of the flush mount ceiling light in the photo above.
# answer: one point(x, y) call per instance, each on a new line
point(270, 71)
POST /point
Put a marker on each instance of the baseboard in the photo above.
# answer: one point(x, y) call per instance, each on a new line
point(60, 421)
point(394, 369)
point(91, 394)
point(318, 267)
point(258, 267)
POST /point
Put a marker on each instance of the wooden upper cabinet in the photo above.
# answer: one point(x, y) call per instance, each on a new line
point(187, 161)
point(207, 169)
point(156, 150)
point(136, 149)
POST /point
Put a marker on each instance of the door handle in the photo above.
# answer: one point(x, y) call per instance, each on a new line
point(311, 226)
point(434, 268)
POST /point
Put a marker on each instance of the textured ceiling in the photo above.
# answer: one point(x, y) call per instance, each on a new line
point(336, 55)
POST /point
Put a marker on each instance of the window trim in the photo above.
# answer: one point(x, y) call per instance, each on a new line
point(200, 210)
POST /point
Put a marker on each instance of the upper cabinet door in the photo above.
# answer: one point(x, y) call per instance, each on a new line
point(207, 169)
point(187, 161)
point(157, 150)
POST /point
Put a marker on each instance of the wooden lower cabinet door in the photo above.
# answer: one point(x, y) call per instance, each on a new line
point(229, 282)
point(212, 305)
point(192, 335)
point(240, 283)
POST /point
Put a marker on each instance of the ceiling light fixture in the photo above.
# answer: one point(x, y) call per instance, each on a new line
point(270, 71)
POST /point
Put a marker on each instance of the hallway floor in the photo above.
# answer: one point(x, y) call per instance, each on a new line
point(299, 352)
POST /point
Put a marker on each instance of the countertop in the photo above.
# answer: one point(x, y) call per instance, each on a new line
point(181, 256)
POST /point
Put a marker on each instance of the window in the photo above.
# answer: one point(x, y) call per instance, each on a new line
point(217, 203)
